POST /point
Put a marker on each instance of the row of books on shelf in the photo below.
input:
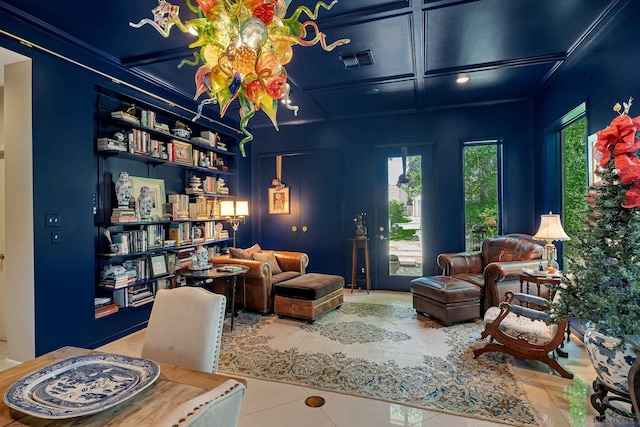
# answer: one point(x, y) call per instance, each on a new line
point(136, 296)
point(210, 186)
point(208, 159)
point(148, 118)
point(147, 238)
point(130, 272)
point(142, 142)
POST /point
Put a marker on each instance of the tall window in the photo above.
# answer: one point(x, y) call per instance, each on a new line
point(481, 191)
point(573, 138)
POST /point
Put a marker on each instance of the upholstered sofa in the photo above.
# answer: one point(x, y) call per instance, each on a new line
point(257, 292)
point(496, 267)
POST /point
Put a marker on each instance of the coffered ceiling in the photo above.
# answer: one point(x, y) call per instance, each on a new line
point(507, 49)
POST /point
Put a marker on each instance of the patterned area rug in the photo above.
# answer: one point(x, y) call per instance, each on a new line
point(381, 352)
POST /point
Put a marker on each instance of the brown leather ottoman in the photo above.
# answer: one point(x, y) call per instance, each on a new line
point(446, 299)
point(308, 296)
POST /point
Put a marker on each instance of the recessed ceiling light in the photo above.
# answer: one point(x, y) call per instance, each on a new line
point(462, 80)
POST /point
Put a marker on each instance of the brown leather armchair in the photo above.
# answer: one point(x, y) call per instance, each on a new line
point(496, 267)
point(257, 292)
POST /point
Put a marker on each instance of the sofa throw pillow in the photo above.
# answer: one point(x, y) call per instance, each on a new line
point(270, 258)
point(244, 253)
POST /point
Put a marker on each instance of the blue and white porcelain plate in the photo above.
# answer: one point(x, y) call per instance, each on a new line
point(81, 385)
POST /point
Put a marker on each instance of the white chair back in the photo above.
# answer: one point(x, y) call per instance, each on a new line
point(219, 407)
point(185, 328)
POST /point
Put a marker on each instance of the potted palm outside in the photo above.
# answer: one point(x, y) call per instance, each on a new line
point(601, 284)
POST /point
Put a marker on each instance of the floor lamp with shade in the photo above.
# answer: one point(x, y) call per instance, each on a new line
point(234, 211)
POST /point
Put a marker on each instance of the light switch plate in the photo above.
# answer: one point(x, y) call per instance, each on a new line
point(52, 220)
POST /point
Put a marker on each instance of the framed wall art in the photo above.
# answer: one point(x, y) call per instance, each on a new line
point(156, 188)
point(278, 201)
point(158, 265)
point(182, 152)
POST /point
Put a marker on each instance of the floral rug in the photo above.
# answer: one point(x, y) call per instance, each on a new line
point(382, 352)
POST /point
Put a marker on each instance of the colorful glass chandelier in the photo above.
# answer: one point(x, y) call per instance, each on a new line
point(244, 46)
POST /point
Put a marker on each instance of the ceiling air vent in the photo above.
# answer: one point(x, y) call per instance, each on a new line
point(359, 59)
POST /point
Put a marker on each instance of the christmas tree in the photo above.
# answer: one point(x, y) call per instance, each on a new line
point(602, 274)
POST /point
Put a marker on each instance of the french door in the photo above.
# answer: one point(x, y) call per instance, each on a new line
point(404, 216)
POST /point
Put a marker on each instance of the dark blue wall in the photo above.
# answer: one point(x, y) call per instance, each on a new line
point(65, 181)
point(603, 72)
point(358, 138)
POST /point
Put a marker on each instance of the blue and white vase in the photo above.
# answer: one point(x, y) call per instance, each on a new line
point(145, 203)
point(611, 364)
point(203, 257)
point(123, 190)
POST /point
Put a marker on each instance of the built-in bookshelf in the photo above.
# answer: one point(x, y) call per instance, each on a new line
point(144, 236)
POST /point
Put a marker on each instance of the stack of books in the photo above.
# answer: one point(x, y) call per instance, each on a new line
point(162, 127)
point(140, 295)
point(178, 206)
point(125, 116)
point(210, 137)
point(108, 144)
point(106, 309)
point(200, 139)
point(115, 280)
point(123, 215)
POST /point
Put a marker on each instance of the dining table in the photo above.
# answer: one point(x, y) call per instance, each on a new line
point(175, 385)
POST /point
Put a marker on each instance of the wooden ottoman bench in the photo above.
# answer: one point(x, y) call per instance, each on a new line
point(308, 296)
point(446, 299)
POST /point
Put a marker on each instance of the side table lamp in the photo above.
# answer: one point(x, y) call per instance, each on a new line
point(549, 231)
point(235, 212)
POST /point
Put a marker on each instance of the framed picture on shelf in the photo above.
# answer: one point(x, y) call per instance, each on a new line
point(183, 153)
point(158, 265)
point(278, 201)
point(156, 188)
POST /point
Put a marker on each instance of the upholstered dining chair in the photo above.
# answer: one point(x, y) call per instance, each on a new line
point(185, 328)
point(219, 407)
point(524, 332)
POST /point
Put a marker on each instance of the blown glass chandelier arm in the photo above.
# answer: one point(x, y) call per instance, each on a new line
point(244, 47)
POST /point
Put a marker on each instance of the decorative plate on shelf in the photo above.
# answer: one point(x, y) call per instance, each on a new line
point(81, 385)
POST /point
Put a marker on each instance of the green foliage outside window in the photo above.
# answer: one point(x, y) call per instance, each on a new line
point(396, 209)
point(574, 139)
point(414, 171)
point(481, 189)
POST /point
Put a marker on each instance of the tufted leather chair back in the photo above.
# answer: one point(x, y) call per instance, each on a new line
point(510, 247)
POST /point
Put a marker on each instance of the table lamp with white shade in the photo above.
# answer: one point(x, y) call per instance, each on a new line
point(550, 230)
point(234, 211)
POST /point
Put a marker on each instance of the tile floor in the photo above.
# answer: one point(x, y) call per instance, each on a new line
point(560, 402)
